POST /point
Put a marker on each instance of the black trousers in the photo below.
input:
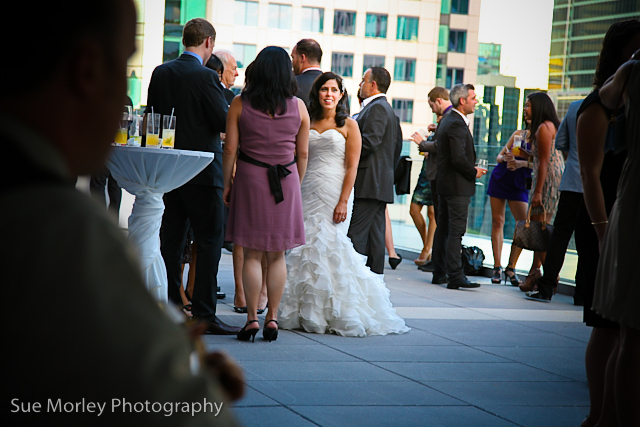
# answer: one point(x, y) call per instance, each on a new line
point(434, 196)
point(97, 185)
point(367, 229)
point(202, 207)
point(569, 207)
point(447, 242)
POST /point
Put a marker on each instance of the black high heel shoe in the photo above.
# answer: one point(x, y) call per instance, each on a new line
point(245, 333)
point(270, 334)
point(393, 262)
point(497, 275)
point(515, 280)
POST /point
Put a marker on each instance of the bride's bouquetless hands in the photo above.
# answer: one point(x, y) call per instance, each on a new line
point(340, 213)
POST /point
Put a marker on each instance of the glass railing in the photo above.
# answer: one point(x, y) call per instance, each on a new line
point(478, 223)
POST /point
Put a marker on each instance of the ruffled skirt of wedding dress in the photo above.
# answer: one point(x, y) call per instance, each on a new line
point(331, 290)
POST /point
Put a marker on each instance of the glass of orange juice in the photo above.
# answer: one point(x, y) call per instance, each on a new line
point(168, 131)
point(517, 145)
point(153, 130)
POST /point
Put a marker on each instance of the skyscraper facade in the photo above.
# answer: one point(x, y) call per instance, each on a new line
point(577, 33)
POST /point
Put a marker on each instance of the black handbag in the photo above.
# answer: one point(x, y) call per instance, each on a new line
point(533, 235)
point(472, 258)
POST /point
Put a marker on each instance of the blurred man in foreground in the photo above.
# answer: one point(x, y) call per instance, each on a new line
point(88, 345)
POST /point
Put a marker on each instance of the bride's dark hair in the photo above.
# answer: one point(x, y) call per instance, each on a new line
point(315, 109)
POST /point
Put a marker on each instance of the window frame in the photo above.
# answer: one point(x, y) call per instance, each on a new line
point(321, 19)
point(350, 13)
point(378, 25)
point(407, 28)
point(412, 68)
point(280, 7)
point(335, 67)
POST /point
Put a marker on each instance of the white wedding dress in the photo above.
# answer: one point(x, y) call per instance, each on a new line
point(329, 288)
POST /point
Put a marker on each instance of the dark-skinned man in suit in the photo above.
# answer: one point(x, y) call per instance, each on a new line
point(456, 184)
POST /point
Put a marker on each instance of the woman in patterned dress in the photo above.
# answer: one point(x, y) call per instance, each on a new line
point(547, 168)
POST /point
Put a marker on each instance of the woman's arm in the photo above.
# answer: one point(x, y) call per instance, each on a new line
point(302, 140)
point(611, 91)
point(591, 132)
point(352, 158)
point(544, 138)
point(231, 147)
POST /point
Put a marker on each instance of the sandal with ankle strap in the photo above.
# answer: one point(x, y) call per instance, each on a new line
point(246, 334)
point(270, 334)
point(515, 280)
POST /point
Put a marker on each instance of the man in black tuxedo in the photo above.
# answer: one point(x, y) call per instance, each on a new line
point(305, 57)
point(374, 183)
point(456, 184)
point(194, 93)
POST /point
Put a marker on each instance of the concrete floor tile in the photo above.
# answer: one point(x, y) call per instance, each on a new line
point(289, 353)
point(413, 337)
point(536, 416)
point(516, 393)
point(510, 339)
point(315, 371)
point(267, 416)
point(398, 353)
point(253, 397)
point(469, 372)
point(407, 416)
point(357, 393)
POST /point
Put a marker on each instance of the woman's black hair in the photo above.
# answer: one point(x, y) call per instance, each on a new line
point(542, 109)
point(613, 47)
point(342, 108)
point(270, 81)
point(215, 64)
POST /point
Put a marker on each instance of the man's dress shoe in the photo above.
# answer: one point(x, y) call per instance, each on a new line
point(428, 267)
point(218, 327)
point(439, 279)
point(464, 284)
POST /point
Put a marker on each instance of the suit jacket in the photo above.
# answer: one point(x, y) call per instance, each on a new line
point(305, 81)
point(228, 95)
point(379, 128)
point(456, 157)
point(197, 96)
point(430, 145)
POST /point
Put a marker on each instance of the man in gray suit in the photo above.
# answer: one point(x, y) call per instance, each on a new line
point(456, 184)
point(374, 183)
point(305, 57)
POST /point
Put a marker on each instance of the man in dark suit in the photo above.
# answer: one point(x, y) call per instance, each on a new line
point(229, 72)
point(305, 57)
point(194, 93)
point(440, 105)
point(374, 183)
point(456, 184)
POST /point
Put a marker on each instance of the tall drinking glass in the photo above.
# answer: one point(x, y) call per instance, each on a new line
point(153, 130)
point(168, 131)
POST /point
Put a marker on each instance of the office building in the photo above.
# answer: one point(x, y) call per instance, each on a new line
point(576, 39)
point(488, 58)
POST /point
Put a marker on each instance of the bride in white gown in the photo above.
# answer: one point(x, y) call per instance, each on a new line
point(329, 288)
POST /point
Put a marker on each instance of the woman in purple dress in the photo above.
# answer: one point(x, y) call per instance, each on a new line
point(268, 134)
point(507, 185)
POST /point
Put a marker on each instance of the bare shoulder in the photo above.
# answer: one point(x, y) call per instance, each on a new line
point(302, 109)
point(350, 128)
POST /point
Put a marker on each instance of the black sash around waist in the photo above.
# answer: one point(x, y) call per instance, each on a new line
point(275, 174)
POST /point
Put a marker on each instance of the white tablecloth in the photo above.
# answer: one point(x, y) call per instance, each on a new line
point(148, 173)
